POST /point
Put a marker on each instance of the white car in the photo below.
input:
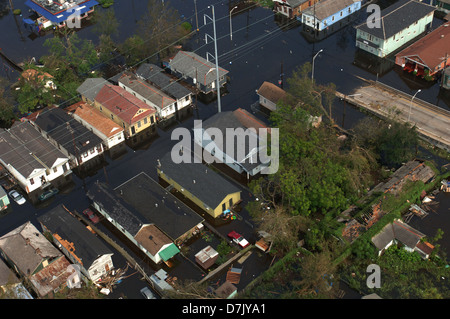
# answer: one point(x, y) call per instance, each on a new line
point(19, 199)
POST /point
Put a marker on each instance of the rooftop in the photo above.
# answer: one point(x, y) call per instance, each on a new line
point(199, 180)
point(92, 116)
point(146, 90)
point(430, 50)
point(196, 67)
point(58, 10)
point(155, 75)
point(25, 149)
point(158, 206)
point(327, 8)
point(82, 244)
point(400, 231)
point(271, 92)
point(238, 119)
point(123, 104)
point(66, 131)
point(397, 17)
point(90, 87)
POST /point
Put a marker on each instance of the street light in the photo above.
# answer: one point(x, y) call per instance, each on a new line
point(410, 104)
point(312, 73)
point(231, 28)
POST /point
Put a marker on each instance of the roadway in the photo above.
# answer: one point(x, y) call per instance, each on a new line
point(432, 122)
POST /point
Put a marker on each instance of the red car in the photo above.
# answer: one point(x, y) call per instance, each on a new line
point(90, 214)
point(238, 239)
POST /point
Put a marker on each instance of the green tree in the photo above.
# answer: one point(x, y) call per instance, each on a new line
point(32, 95)
point(6, 107)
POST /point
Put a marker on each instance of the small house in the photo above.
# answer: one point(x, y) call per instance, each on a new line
point(71, 137)
point(399, 24)
point(328, 16)
point(142, 232)
point(36, 77)
point(58, 13)
point(200, 185)
point(206, 257)
point(197, 71)
point(89, 89)
point(164, 105)
point(269, 95)
point(125, 109)
point(428, 56)
point(157, 77)
point(245, 158)
point(160, 207)
point(401, 233)
point(36, 260)
point(109, 131)
point(79, 244)
point(32, 160)
point(292, 8)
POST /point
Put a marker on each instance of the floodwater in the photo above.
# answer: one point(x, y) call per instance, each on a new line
point(262, 47)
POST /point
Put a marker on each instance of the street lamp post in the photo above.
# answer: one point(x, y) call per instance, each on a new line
point(312, 73)
point(231, 27)
point(410, 104)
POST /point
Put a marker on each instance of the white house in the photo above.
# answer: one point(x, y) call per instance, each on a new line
point(76, 141)
point(399, 24)
point(399, 232)
point(111, 133)
point(324, 15)
point(244, 157)
point(156, 76)
point(165, 105)
point(142, 233)
point(79, 245)
point(32, 160)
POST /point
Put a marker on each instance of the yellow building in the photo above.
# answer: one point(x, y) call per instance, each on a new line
point(200, 184)
point(133, 115)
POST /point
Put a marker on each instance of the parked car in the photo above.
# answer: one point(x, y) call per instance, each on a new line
point(238, 239)
point(47, 194)
point(147, 293)
point(90, 214)
point(19, 199)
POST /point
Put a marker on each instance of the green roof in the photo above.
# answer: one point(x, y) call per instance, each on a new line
point(169, 252)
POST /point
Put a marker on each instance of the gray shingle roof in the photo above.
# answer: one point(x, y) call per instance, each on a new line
point(158, 206)
point(88, 247)
point(115, 207)
point(327, 8)
point(90, 87)
point(146, 90)
point(199, 180)
point(155, 75)
point(194, 66)
point(24, 148)
point(66, 131)
point(398, 17)
point(232, 120)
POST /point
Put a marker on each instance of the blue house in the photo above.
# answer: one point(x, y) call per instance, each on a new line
point(328, 16)
point(57, 13)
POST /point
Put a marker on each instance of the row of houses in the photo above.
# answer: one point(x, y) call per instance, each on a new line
point(63, 255)
point(398, 25)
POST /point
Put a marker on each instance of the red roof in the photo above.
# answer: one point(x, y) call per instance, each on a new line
point(123, 104)
point(430, 50)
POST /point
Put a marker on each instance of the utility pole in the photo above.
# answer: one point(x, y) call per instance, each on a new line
point(196, 17)
point(231, 27)
point(219, 107)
